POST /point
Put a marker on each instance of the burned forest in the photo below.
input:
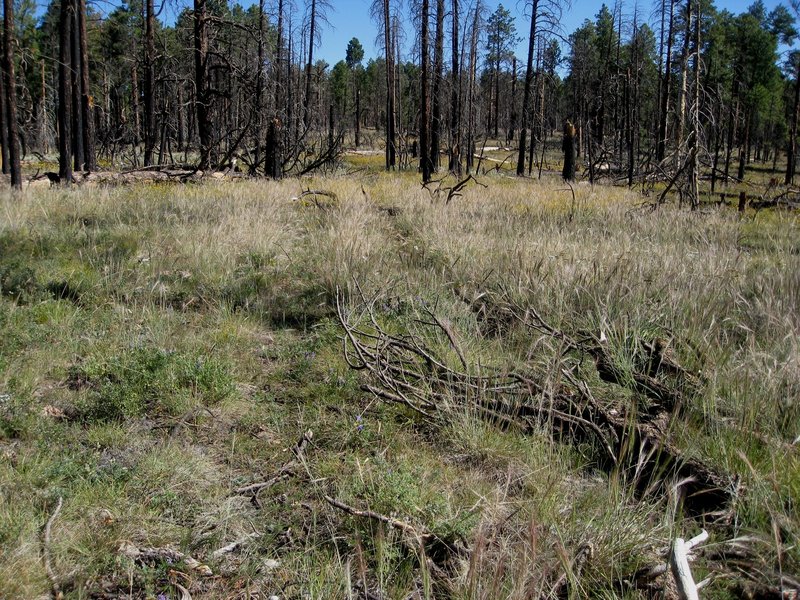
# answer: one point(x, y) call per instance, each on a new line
point(422, 299)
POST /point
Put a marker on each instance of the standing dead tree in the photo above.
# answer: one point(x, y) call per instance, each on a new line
point(10, 99)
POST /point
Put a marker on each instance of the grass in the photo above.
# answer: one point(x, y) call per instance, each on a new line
point(161, 346)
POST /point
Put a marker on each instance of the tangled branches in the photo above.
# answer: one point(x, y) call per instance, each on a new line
point(404, 368)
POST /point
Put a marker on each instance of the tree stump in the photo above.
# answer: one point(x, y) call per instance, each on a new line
point(568, 146)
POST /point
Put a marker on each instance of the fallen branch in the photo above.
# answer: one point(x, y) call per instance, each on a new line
point(149, 555)
point(233, 546)
point(422, 536)
point(679, 564)
point(55, 583)
point(287, 470)
point(402, 368)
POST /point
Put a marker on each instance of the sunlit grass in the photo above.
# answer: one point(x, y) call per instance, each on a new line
point(161, 345)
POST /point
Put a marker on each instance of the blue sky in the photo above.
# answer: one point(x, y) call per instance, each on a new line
point(350, 18)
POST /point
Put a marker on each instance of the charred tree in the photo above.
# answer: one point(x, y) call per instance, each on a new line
point(312, 33)
point(454, 165)
point(438, 60)
point(391, 135)
point(425, 105)
point(202, 95)
point(791, 150)
point(568, 145)
point(75, 86)
point(666, 85)
point(66, 13)
point(87, 130)
point(149, 81)
point(526, 94)
point(473, 69)
point(10, 99)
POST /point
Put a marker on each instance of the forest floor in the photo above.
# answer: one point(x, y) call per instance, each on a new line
point(236, 390)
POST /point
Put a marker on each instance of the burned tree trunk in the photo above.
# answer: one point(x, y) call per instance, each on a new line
point(661, 140)
point(473, 68)
point(424, 120)
point(272, 156)
point(311, 34)
point(75, 86)
point(391, 138)
point(568, 146)
point(87, 130)
point(3, 119)
point(11, 95)
point(791, 151)
point(201, 82)
point(65, 92)
point(454, 165)
point(438, 59)
point(149, 82)
point(526, 95)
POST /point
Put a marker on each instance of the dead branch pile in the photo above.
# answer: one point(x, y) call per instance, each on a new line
point(403, 368)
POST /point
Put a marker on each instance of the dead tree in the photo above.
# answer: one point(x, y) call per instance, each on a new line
point(455, 100)
point(75, 89)
point(438, 60)
point(65, 92)
point(202, 94)
point(526, 94)
point(149, 81)
point(87, 129)
point(11, 95)
point(570, 154)
point(424, 120)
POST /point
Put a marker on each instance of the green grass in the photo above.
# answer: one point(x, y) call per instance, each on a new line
point(161, 346)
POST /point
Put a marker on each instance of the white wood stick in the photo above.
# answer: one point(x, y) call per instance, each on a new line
point(679, 562)
point(697, 540)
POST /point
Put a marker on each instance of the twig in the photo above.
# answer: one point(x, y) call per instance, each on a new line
point(233, 546)
point(284, 472)
point(152, 555)
point(55, 586)
point(679, 564)
point(185, 595)
point(423, 536)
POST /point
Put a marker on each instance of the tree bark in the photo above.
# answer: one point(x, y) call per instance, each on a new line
point(77, 113)
point(424, 119)
point(661, 141)
point(391, 156)
point(259, 92)
point(149, 81)
point(791, 150)
point(684, 90)
point(201, 82)
point(3, 118)
point(694, 140)
point(65, 92)
point(438, 60)
point(526, 94)
point(311, 34)
point(87, 131)
point(473, 69)
point(568, 146)
point(454, 165)
point(11, 95)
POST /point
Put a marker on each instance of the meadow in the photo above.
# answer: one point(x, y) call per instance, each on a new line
point(232, 389)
